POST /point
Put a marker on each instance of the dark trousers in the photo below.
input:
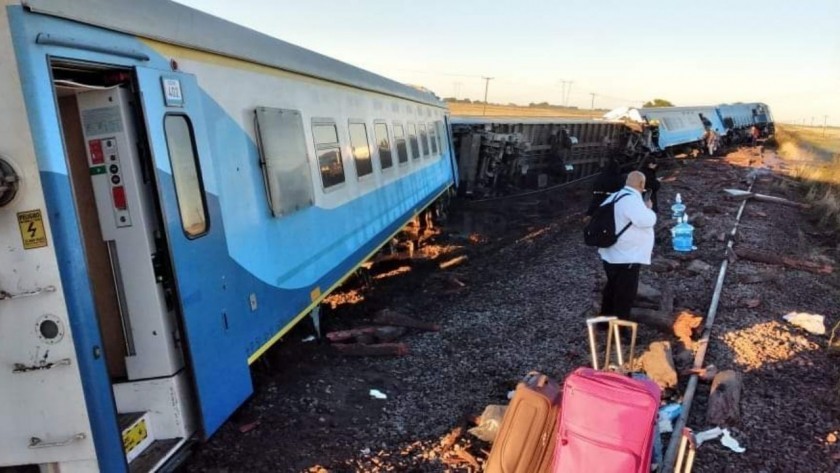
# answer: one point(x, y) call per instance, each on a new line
point(620, 291)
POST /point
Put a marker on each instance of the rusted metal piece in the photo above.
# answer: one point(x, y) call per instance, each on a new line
point(379, 349)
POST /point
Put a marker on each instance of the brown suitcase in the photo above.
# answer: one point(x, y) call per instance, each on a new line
point(525, 442)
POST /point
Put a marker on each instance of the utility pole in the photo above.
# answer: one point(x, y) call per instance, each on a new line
point(457, 86)
point(569, 92)
point(825, 122)
point(486, 86)
point(812, 121)
point(563, 96)
point(592, 105)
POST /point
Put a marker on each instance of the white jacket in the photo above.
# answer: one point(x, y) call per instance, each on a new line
point(636, 243)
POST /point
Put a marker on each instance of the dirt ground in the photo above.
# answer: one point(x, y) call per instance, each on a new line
point(518, 304)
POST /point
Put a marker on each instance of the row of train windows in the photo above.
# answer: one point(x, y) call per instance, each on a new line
point(422, 139)
point(284, 160)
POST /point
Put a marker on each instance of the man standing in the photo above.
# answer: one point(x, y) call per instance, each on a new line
point(623, 260)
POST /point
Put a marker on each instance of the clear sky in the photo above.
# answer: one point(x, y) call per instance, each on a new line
point(782, 52)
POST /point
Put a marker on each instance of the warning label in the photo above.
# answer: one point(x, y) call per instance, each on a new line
point(32, 229)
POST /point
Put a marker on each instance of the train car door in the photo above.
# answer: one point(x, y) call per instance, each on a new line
point(175, 123)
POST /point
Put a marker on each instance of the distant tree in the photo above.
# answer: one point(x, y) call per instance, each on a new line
point(658, 103)
point(450, 99)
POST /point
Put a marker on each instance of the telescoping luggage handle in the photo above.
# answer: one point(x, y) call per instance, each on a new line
point(613, 333)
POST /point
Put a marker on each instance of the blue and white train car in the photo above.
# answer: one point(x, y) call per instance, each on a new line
point(176, 192)
point(682, 125)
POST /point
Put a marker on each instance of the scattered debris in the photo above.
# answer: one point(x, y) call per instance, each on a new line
point(725, 399)
point(377, 394)
point(308, 339)
point(392, 317)
point(658, 364)
point(757, 278)
point(782, 260)
point(379, 349)
point(648, 293)
point(812, 323)
point(751, 303)
point(247, 427)
point(706, 374)
point(666, 417)
point(685, 325)
point(489, 423)
point(453, 262)
point(367, 335)
point(726, 439)
point(663, 265)
point(739, 195)
point(699, 267)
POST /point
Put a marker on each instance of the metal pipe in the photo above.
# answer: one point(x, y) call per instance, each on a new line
point(688, 399)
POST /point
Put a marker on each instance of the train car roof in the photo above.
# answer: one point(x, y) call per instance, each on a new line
point(483, 120)
point(171, 22)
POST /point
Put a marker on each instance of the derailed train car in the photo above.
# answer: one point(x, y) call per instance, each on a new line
point(508, 156)
point(176, 192)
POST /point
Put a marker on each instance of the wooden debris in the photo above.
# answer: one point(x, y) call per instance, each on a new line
point(706, 374)
point(699, 267)
point(658, 364)
point(724, 400)
point(738, 194)
point(782, 260)
point(652, 318)
point(662, 265)
point(685, 325)
point(390, 317)
point(380, 349)
point(648, 293)
point(245, 428)
point(367, 334)
point(453, 262)
point(755, 278)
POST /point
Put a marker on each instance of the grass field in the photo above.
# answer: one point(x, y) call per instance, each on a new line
point(816, 161)
point(477, 109)
point(827, 140)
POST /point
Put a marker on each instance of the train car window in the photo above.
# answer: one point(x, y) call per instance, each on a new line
point(329, 154)
point(284, 160)
point(383, 144)
point(360, 148)
point(441, 134)
point(399, 141)
point(412, 139)
point(189, 188)
point(433, 138)
point(424, 139)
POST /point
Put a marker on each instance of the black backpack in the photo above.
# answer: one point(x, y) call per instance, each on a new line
point(600, 231)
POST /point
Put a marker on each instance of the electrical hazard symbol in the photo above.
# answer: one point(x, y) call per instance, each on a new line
point(32, 229)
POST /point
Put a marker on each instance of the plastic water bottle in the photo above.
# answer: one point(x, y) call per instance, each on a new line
point(683, 235)
point(678, 209)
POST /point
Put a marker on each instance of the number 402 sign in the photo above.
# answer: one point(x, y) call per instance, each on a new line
point(172, 92)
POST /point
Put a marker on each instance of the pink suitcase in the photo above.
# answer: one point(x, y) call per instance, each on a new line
point(606, 423)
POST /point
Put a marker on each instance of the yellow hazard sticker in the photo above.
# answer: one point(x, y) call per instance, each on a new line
point(315, 293)
point(134, 436)
point(32, 229)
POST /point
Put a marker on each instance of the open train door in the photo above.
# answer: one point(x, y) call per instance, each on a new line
point(186, 184)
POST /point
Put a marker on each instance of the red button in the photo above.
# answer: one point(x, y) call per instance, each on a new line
point(96, 155)
point(119, 197)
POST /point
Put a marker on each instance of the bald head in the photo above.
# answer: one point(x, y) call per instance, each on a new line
point(636, 180)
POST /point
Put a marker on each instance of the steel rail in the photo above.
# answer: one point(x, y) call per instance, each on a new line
point(671, 453)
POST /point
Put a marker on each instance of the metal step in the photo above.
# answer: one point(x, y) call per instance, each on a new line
point(154, 457)
point(137, 434)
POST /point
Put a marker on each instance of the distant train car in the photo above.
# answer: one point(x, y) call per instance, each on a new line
point(681, 127)
point(176, 192)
